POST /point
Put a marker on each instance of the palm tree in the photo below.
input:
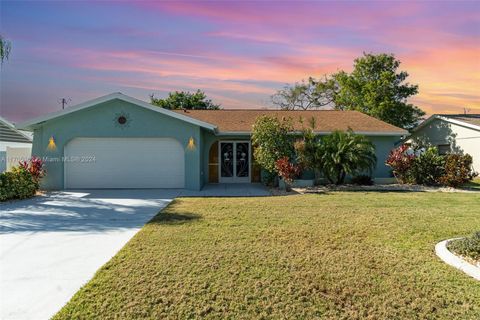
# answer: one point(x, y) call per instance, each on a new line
point(5, 47)
point(342, 153)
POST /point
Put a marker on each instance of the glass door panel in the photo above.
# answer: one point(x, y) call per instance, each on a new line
point(234, 165)
point(242, 163)
point(226, 159)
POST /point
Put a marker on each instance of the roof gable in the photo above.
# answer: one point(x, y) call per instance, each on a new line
point(10, 134)
point(29, 125)
point(471, 121)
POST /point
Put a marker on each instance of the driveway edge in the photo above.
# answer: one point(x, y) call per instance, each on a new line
point(449, 258)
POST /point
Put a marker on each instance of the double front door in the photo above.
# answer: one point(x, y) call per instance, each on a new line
point(234, 163)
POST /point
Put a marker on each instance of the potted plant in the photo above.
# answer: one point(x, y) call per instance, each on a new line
point(287, 171)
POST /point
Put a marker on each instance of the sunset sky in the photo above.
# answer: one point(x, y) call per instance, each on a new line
point(239, 53)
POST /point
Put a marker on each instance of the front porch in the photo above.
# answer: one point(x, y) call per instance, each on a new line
point(230, 161)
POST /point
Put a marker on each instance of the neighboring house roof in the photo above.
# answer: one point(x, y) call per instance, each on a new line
point(471, 121)
point(9, 133)
point(241, 121)
point(29, 125)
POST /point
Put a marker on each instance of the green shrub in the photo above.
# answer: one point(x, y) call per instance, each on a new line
point(268, 178)
point(272, 140)
point(288, 171)
point(401, 161)
point(427, 167)
point(17, 184)
point(458, 170)
point(344, 153)
point(306, 149)
point(336, 155)
point(467, 247)
point(362, 180)
point(23, 181)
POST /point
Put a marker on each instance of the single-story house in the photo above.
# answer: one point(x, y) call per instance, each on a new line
point(15, 145)
point(451, 133)
point(117, 141)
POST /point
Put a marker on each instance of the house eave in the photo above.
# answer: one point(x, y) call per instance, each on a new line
point(447, 119)
point(366, 133)
point(16, 130)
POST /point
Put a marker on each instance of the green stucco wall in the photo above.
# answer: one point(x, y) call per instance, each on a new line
point(383, 146)
point(100, 121)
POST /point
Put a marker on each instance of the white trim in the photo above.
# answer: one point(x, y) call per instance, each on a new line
point(449, 258)
point(30, 124)
point(371, 133)
point(233, 133)
point(447, 119)
point(234, 178)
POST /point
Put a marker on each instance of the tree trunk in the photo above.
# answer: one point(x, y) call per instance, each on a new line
point(342, 179)
point(329, 178)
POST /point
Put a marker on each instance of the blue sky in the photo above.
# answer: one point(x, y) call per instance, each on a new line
point(238, 53)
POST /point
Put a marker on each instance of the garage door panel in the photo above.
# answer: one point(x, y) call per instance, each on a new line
point(124, 163)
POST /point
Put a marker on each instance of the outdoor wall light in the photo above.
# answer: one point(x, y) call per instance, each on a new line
point(191, 143)
point(51, 144)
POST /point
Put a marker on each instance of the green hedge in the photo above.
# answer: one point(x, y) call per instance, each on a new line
point(427, 167)
point(17, 184)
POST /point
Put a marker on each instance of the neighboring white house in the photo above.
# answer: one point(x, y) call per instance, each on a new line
point(15, 145)
point(451, 133)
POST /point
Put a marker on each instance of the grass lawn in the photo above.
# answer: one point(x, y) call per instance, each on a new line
point(334, 256)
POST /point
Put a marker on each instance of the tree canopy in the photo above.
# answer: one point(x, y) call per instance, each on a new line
point(314, 93)
point(375, 87)
point(5, 47)
point(185, 100)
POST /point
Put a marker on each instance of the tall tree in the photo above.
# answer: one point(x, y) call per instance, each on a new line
point(376, 87)
point(185, 100)
point(310, 94)
point(5, 47)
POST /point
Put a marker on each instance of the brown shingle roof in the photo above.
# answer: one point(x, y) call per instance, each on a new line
point(325, 120)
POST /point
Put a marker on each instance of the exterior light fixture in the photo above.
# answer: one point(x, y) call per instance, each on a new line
point(191, 143)
point(51, 144)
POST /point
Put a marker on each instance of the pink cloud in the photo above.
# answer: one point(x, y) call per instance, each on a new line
point(289, 14)
point(277, 43)
point(443, 78)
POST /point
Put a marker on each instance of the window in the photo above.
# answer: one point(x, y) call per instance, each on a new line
point(443, 149)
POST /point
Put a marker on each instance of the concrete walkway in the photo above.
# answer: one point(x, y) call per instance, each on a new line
point(229, 190)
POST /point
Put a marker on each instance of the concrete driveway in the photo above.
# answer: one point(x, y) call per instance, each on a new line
point(52, 245)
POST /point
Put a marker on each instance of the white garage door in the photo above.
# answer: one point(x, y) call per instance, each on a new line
point(124, 163)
